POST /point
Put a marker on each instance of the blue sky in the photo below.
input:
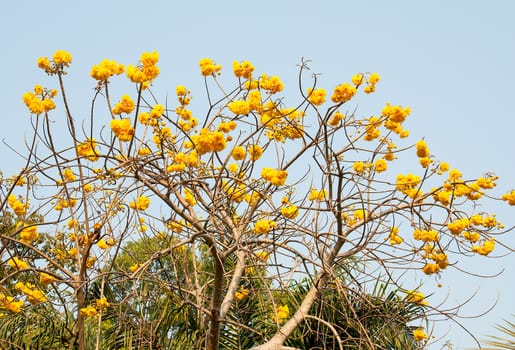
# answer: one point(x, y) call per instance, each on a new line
point(451, 62)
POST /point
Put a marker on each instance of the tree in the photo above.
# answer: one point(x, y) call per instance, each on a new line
point(171, 223)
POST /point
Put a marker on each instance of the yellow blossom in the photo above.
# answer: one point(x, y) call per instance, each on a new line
point(125, 105)
point(123, 129)
point(316, 96)
point(106, 69)
point(255, 152)
point(102, 303)
point(264, 226)
point(189, 197)
point(380, 165)
point(509, 197)
point(45, 278)
point(241, 294)
point(457, 226)
point(290, 211)
point(281, 313)
point(343, 93)
point(419, 334)
point(239, 107)
point(243, 69)
point(275, 176)
point(208, 67)
point(426, 235)
point(414, 296)
point(486, 248)
point(62, 57)
point(422, 149)
point(29, 234)
point(89, 311)
point(17, 263)
point(88, 149)
point(141, 203)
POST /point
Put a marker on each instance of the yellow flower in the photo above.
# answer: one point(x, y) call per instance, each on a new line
point(62, 57)
point(431, 268)
point(17, 263)
point(395, 114)
point(281, 313)
point(264, 226)
point(380, 165)
point(336, 119)
point(243, 69)
point(134, 267)
point(126, 105)
point(357, 79)
point(290, 211)
point(343, 93)
point(272, 84)
point(208, 67)
point(419, 334)
point(10, 304)
point(45, 278)
point(239, 107)
point(457, 226)
point(88, 149)
point(360, 214)
point(359, 167)
point(29, 234)
point(394, 236)
point(89, 311)
point(426, 235)
point(319, 196)
point(255, 152)
point(241, 294)
point(509, 197)
point(275, 176)
point(422, 149)
point(486, 248)
point(414, 296)
point(189, 197)
point(316, 96)
point(43, 63)
point(106, 69)
point(102, 304)
point(425, 162)
point(123, 129)
point(141, 203)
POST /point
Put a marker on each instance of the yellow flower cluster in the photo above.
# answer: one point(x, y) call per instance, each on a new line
point(396, 115)
point(408, 184)
point(106, 69)
point(243, 69)
point(102, 304)
point(241, 294)
point(282, 312)
point(425, 235)
point(39, 101)
point(255, 152)
point(380, 165)
point(146, 71)
point(181, 160)
point(141, 203)
point(336, 119)
point(239, 107)
point(394, 236)
point(509, 197)
point(414, 296)
point(343, 93)
point(372, 80)
point(319, 196)
point(272, 84)
point(316, 96)
point(290, 211)
point(419, 334)
point(106, 243)
point(189, 197)
point(17, 206)
point(88, 149)
point(207, 141)
point(439, 258)
point(45, 278)
point(275, 176)
point(122, 128)
point(281, 124)
point(208, 67)
point(17, 263)
point(29, 234)
point(60, 59)
point(65, 203)
point(264, 226)
point(486, 248)
point(372, 130)
point(10, 304)
point(457, 226)
point(34, 295)
point(89, 311)
point(125, 105)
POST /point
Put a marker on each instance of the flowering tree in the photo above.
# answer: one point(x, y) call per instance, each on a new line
point(247, 223)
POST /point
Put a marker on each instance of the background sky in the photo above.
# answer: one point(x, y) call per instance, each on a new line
point(452, 62)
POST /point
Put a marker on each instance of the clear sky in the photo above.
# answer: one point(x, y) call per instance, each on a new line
point(452, 62)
